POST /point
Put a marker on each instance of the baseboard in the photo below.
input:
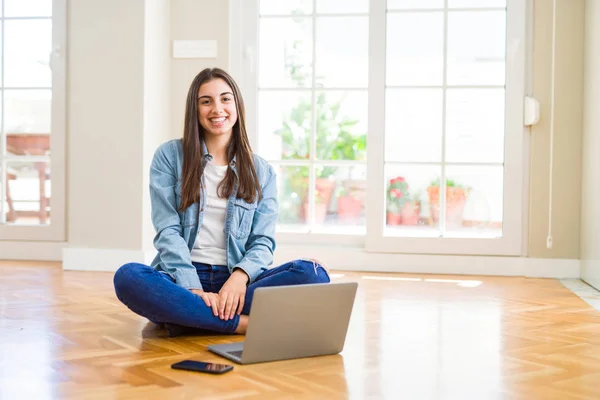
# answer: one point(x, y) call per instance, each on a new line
point(338, 258)
point(590, 272)
point(552, 268)
point(93, 259)
point(31, 251)
point(349, 259)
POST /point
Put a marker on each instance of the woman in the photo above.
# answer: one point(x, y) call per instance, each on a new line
point(214, 208)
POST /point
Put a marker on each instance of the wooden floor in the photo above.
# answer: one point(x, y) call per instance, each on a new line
point(65, 335)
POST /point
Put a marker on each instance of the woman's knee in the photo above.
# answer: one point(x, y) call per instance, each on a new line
point(315, 270)
point(127, 278)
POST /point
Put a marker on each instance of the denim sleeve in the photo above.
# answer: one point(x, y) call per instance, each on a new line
point(173, 251)
point(261, 241)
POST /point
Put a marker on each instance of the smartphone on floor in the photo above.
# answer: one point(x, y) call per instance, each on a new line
point(200, 366)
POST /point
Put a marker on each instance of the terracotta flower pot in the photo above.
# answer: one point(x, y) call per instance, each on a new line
point(320, 212)
point(324, 187)
point(393, 218)
point(410, 213)
point(349, 208)
point(455, 204)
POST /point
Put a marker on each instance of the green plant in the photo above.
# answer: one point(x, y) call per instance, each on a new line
point(334, 140)
point(449, 183)
point(295, 186)
point(333, 136)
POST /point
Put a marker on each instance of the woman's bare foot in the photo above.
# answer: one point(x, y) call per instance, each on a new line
point(242, 326)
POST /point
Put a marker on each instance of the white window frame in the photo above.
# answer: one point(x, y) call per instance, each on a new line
point(244, 16)
point(55, 230)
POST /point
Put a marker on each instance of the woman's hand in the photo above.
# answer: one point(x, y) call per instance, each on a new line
point(232, 295)
point(211, 299)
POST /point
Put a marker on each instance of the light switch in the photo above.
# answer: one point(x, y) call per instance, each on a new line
point(194, 49)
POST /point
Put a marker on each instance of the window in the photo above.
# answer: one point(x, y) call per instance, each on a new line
point(32, 120)
point(398, 122)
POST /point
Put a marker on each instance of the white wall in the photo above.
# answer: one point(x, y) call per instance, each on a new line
point(196, 20)
point(568, 127)
point(119, 74)
point(105, 123)
point(590, 191)
point(157, 98)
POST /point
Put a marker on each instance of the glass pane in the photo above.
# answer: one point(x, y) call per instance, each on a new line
point(278, 7)
point(474, 201)
point(2, 194)
point(346, 6)
point(415, 48)
point(284, 123)
point(292, 187)
point(285, 52)
point(27, 53)
point(476, 48)
point(413, 125)
point(340, 196)
point(27, 8)
point(27, 193)
point(342, 52)
point(342, 125)
point(27, 111)
point(476, 3)
point(419, 4)
point(409, 203)
point(1, 38)
point(475, 125)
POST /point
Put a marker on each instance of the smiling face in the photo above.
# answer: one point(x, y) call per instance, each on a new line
point(216, 108)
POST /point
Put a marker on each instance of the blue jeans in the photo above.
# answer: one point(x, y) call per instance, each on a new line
point(154, 295)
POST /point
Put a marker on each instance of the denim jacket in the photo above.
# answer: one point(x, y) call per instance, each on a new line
point(249, 227)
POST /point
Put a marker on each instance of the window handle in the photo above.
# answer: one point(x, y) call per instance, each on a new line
point(54, 54)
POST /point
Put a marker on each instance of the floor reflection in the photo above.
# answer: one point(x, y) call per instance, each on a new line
point(26, 356)
point(411, 338)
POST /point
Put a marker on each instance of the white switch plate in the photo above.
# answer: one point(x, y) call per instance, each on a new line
point(194, 49)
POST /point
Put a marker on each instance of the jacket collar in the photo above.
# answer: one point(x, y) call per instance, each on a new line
point(209, 157)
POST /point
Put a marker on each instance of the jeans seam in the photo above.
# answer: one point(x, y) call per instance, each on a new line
point(315, 265)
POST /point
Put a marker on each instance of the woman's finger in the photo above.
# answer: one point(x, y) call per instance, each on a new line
point(206, 299)
point(222, 304)
point(228, 306)
point(241, 305)
point(215, 304)
point(234, 304)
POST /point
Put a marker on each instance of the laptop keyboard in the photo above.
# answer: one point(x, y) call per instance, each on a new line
point(235, 353)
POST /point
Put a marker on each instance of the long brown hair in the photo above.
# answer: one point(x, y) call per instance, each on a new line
point(239, 145)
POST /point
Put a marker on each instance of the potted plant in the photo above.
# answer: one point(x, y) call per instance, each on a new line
point(295, 184)
point(351, 193)
point(456, 196)
point(411, 212)
point(397, 196)
point(334, 141)
point(350, 200)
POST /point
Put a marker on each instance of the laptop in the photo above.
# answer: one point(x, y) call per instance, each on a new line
point(294, 321)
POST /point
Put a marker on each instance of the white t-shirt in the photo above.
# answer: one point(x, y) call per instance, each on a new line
point(209, 247)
